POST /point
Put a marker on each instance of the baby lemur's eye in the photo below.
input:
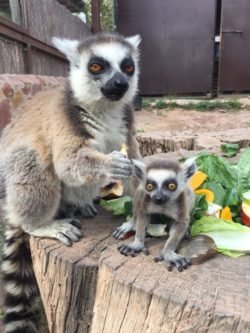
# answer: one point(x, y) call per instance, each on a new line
point(95, 68)
point(171, 186)
point(149, 187)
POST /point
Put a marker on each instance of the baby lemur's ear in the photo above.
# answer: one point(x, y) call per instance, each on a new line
point(139, 169)
point(69, 48)
point(188, 168)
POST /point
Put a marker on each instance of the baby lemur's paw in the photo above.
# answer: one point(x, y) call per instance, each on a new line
point(174, 259)
point(133, 249)
point(123, 231)
point(119, 167)
point(67, 230)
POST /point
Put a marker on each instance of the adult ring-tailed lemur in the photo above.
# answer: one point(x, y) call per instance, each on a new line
point(58, 151)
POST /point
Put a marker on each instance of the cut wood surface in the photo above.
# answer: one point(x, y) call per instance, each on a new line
point(116, 294)
point(67, 276)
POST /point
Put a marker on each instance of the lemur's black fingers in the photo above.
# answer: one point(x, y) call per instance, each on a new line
point(123, 249)
point(117, 233)
point(170, 266)
point(188, 261)
point(179, 266)
point(64, 239)
point(132, 253)
point(145, 251)
point(76, 223)
point(159, 258)
point(93, 210)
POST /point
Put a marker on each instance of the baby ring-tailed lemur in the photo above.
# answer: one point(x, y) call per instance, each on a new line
point(58, 151)
point(163, 189)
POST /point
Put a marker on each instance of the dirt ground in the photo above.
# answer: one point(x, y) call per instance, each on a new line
point(193, 121)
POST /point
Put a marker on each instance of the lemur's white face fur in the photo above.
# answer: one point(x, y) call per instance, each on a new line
point(164, 180)
point(103, 68)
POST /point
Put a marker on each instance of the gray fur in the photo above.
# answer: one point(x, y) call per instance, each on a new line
point(56, 155)
point(177, 206)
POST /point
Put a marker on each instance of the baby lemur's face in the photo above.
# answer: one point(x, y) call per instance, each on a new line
point(162, 185)
point(103, 67)
point(163, 180)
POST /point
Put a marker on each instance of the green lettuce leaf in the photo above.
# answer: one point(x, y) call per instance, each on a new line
point(230, 149)
point(200, 207)
point(218, 190)
point(217, 169)
point(119, 206)
point(231, 239)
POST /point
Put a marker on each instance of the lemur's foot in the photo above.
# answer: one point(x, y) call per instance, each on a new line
point(124, 231)
point(174, 259)
point(88, 211)
point(66, 230)
point(132, 249)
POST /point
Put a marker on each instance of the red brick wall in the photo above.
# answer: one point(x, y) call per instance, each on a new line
point(15, 89)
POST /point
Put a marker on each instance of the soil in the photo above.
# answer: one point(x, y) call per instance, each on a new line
point(192, 121)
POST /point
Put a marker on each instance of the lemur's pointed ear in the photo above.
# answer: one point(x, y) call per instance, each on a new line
point(189, 168)
point(134, 40)
point(68, 47)
point(139, 169)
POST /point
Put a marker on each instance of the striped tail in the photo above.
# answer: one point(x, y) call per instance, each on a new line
point(20, 283)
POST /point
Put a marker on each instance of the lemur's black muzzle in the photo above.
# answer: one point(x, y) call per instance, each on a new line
point(160, 198)
point(116, 87)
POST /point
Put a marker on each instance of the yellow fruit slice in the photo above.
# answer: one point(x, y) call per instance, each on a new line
point(226, 214)
point(197, 179)
point(208, 194)
point(124, 149)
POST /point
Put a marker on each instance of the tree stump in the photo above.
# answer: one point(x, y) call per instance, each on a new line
point(67, 276)
point(115, 294)
point(136, 295)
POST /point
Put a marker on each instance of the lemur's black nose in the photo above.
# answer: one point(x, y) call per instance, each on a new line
point(121, 84)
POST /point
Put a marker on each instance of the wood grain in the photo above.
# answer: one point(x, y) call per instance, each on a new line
point(91, 288)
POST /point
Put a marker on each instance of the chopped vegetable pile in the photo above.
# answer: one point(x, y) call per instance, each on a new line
point(222, 201)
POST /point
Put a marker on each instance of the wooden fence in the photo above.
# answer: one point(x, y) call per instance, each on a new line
point(28, 49)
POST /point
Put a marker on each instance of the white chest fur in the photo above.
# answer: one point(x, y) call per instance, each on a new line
point(111, 133)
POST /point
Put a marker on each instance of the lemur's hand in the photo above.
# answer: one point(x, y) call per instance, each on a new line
point(119, 167)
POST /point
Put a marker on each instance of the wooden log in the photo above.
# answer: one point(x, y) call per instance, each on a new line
point(136, 295)
point(67, 276)
point(82, 293)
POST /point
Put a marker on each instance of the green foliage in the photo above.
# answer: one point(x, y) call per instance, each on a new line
point(106, 14)
point(161, 103)
point(230, 149)
point(119, 206)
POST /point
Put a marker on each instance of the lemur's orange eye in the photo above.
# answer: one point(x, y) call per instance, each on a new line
point(172, 186)
point(95, 68)
point(149, 187)
point(130, 69)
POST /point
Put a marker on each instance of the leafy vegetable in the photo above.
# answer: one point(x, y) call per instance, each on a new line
point(230, 149)
point(119, 206)
point(217, 169)
point(230, 238)
point(200, 207)
point(218, 190)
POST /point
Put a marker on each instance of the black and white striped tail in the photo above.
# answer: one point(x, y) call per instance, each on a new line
point(20, 284)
